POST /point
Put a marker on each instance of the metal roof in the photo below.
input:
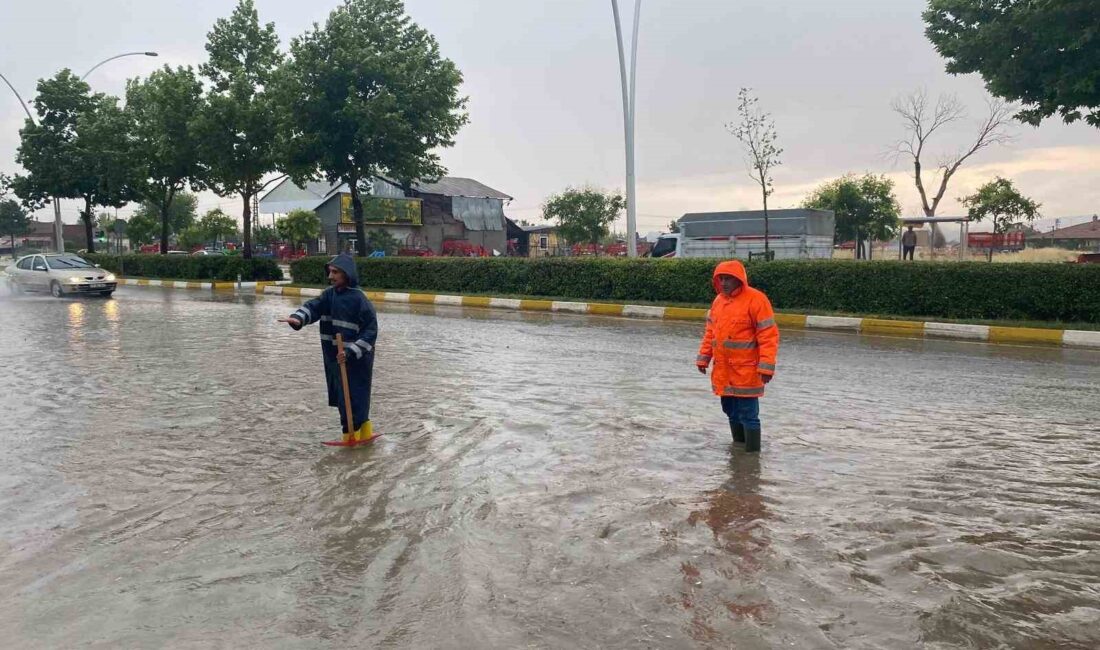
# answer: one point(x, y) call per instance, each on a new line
point(1087, 230)
point(455, 186)
point(918, 220)
point(799, 221)
point(287, 196)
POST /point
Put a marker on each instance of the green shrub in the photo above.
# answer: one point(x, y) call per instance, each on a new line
point(186, 267)
point(1049, 292)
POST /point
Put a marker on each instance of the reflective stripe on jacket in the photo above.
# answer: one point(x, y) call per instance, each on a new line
point(741, 337)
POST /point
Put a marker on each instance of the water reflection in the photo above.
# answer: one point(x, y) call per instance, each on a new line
point(720, 588)
point(110, 310)
point(534, 489)
point(77, 317)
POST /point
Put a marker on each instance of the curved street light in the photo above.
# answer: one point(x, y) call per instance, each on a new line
point(117, 56)
point(59, 233)
point(21, 102)
point(628, 122)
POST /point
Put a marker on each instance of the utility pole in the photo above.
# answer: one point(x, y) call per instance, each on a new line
point(629, 87)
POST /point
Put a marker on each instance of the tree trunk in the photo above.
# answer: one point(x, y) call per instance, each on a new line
point(246, 217)
point(12, 238)
point(164, 227)
point(767, 249)
point(357, 211)
point(86, 216)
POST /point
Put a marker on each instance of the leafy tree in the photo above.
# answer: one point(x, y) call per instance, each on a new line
point(236, 128)
point(865, 208)
point(76, 150)
point(162, 111)
point(299, 227)
point(381, 240)
point(191, 237)
point(1044, 54)
point(14, 221)
point(265, 235)
point(583, 215)
point(756, 131)
point(181, 214)
point(108, 168)
point(215, 224)
point(365, 95)
point(142, 228)
point(1000, 201)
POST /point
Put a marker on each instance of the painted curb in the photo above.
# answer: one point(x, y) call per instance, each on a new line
point(871, 326)
point(235, 287)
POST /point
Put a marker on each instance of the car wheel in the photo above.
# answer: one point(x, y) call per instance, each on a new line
point(106, 294)
point(55, 289)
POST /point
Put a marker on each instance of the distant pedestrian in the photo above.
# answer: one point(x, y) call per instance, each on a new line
point(742, 340)
point(344, 309)
point(908, 244)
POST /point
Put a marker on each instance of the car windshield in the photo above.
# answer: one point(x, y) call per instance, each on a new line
point(68, 262)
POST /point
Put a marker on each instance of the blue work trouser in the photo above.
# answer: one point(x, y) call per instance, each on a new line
point(745, 410)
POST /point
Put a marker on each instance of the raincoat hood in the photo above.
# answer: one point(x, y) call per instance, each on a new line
point(731, 267)
point(346, 264)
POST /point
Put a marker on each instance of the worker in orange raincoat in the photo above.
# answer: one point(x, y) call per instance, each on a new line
point(742, 340)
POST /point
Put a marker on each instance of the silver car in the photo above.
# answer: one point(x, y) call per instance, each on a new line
point(59, 274)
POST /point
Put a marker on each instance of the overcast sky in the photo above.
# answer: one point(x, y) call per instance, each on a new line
point(546, 107)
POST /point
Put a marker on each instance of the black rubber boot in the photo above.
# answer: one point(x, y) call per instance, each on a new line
point(738, 432)
point(752, 440)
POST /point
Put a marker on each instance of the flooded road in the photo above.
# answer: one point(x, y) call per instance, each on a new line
point(545, 481)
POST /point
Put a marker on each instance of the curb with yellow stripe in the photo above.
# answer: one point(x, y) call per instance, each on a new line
point(902, 328)
point(877, 326)
point(234, 287)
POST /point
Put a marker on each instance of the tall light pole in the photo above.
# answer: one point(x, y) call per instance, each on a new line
point(629, 87)
point(58, 229)
point(117, 56)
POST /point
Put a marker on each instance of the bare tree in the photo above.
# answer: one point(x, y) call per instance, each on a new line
point(756, 131)
point(922, 121)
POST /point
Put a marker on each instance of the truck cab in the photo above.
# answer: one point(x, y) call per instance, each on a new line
point(668, 245)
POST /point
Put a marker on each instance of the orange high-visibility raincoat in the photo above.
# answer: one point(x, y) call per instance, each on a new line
point(741, 337)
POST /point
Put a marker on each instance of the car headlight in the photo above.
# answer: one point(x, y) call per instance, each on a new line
point(110, 277)
point(75, 280)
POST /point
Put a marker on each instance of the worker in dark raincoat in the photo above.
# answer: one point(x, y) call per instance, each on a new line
point(344, 309)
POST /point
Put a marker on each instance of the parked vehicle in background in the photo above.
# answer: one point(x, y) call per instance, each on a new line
point(59, 275)
point(204, 251)
point(792, 234)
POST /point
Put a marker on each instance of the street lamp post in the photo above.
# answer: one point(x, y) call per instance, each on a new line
point(117, 56)
point(628, 121)
point(58, 230)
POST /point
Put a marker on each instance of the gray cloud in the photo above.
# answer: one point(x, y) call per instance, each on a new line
point(546, 107)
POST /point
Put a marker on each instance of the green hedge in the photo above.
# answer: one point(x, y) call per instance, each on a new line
point(976, 290)
point(186, 267)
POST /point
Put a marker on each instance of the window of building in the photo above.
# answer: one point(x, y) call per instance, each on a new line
point(544, 242)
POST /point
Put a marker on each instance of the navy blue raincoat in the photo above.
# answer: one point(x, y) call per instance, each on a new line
point(348, 312)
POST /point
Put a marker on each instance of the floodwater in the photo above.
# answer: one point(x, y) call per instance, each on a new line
point(546, 481)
